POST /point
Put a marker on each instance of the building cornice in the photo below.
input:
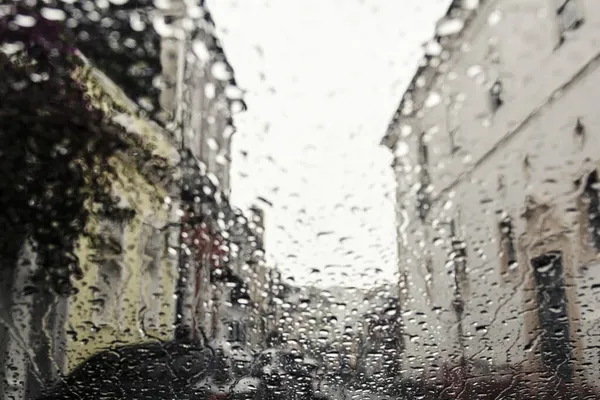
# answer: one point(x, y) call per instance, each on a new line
point(558, 92)
point(426, 73)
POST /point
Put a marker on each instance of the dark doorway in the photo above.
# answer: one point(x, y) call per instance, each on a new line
point(552, 312)
point(593, 209)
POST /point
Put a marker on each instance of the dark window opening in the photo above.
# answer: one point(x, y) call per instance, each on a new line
point(507, 243)
point(429, 269)
point(237, 332)
point(452, 124)
point(152, 276)
point(454, 148)
point(493, 54)
point(239, 293)
point(579, 127)
point(570, 16)
point(108, 254)
point(496, 95)
point(423, 152)
point(552, 313)
point(110, 275)
point(592, 199)
point(458, 256)
point(423, 199)
point(108, 242)
point(423, 196)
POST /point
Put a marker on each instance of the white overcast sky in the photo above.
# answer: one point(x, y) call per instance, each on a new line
point(323, 78)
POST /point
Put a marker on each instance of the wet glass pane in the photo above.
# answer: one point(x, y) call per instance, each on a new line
point(267, 199)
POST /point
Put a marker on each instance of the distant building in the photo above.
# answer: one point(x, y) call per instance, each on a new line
point(257, 222)
point(199, 97)
point(199, 91)
point(380, 341)
point(496, 167)
point(331, 325)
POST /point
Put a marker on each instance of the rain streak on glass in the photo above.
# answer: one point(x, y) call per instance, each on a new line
point(334, 200)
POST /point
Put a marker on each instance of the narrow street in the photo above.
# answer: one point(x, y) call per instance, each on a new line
point(275, 200)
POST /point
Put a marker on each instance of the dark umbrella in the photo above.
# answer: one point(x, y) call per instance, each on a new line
point(158, 370)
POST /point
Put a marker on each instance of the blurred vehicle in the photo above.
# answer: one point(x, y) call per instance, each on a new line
point(245, 388)
point(155, 370)
point(285, 374)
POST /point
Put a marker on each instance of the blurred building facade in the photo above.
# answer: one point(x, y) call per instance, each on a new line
point(380, 341)
point(128, 270)
point(164, 112)
point(496, 187)
point(199, 90)
point(119, 255)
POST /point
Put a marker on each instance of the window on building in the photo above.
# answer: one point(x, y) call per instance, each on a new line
point(458, 255)
point(590, 195)
point(423, 194)
point(151, 278)
point(109, 257)
point(452, 122)
point(109, 280)
point(239, 293)
point(453, 146)
point(570, 16)
point(237, 333)
point(429, 269)
point(108, 242)
point(552, 313)
point(501, 184)
point(508, 252)
point(496, 95)
point(423, 198)
point(423, 151)
point(493, 52)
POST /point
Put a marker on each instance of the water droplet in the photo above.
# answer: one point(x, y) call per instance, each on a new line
point(474, 70)
point(210, 90)
point(161, 27)
point(221, 71)
point(494, 18)
point(25, 21)
point(135, 20)
point(470, 4)
point(201, 51)
point(237, 107)
point(433, 99)
point(11, 48)
point(212, 144)
point(402, 149)
point(432, 48)
point(405, 130)
point(233, 92)
point(450, 26)
point(53, 14)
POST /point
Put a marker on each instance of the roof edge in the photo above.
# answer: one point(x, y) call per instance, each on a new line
point(389, 140)
point(218, 48)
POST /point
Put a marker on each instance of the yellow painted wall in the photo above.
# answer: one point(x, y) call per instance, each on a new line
point(84, 338)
